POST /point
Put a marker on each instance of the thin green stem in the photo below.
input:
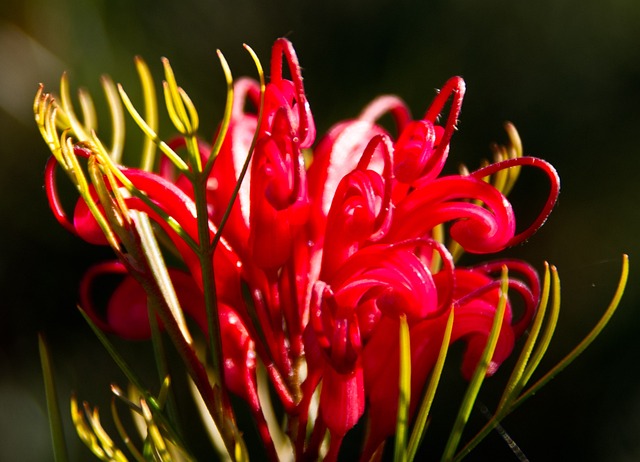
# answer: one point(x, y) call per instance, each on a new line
point(217, 401)
point(162, 364)
point(205, 256)
point(197, 371)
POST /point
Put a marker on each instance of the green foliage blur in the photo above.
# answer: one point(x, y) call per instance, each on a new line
point(565, 72)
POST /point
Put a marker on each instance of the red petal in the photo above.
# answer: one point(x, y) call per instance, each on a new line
point(478, 229)
point(342, 399)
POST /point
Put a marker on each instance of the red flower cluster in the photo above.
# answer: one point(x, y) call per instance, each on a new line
point(333, 255)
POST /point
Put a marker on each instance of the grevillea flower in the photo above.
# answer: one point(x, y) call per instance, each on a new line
point(316, 266)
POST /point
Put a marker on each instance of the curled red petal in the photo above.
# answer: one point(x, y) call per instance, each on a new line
point(127, 312)
point(361, 208)
point(477, 228)
point(383, 216)
point(401, 284)
point(476, 300)
point(454, 88)
point(52, 195)
point(305, 129)
point(86, 290)
point(337, 154)
point(387, 104)
point(554, 190)
point(340, 151)
point(85, 223)
point(377, 281)
point(245, 90)
point(413, 149)
point(279, 206)
point(524, 279)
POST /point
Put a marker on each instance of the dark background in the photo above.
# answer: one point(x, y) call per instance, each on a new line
point(566, 73)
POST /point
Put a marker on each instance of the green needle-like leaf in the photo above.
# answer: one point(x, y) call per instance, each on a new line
point(547, 335)
point(577, 351)
point(247, 161)
point(150, 112)
point(514, 401)
point(117, 358)
point(512, 388)
point(479, 374)
point(527, 361)
point(404, 393)
point(151, 133)
point(117, 118)
point(226, 119)
point(123, 433)
point(55, 418)
point(134, 380)
point(420, 427)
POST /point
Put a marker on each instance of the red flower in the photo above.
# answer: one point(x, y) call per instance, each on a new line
point(335, 254)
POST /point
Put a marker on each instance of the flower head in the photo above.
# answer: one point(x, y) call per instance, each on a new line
point(311, 269)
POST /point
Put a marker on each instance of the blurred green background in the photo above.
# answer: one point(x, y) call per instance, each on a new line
point(566, 73)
